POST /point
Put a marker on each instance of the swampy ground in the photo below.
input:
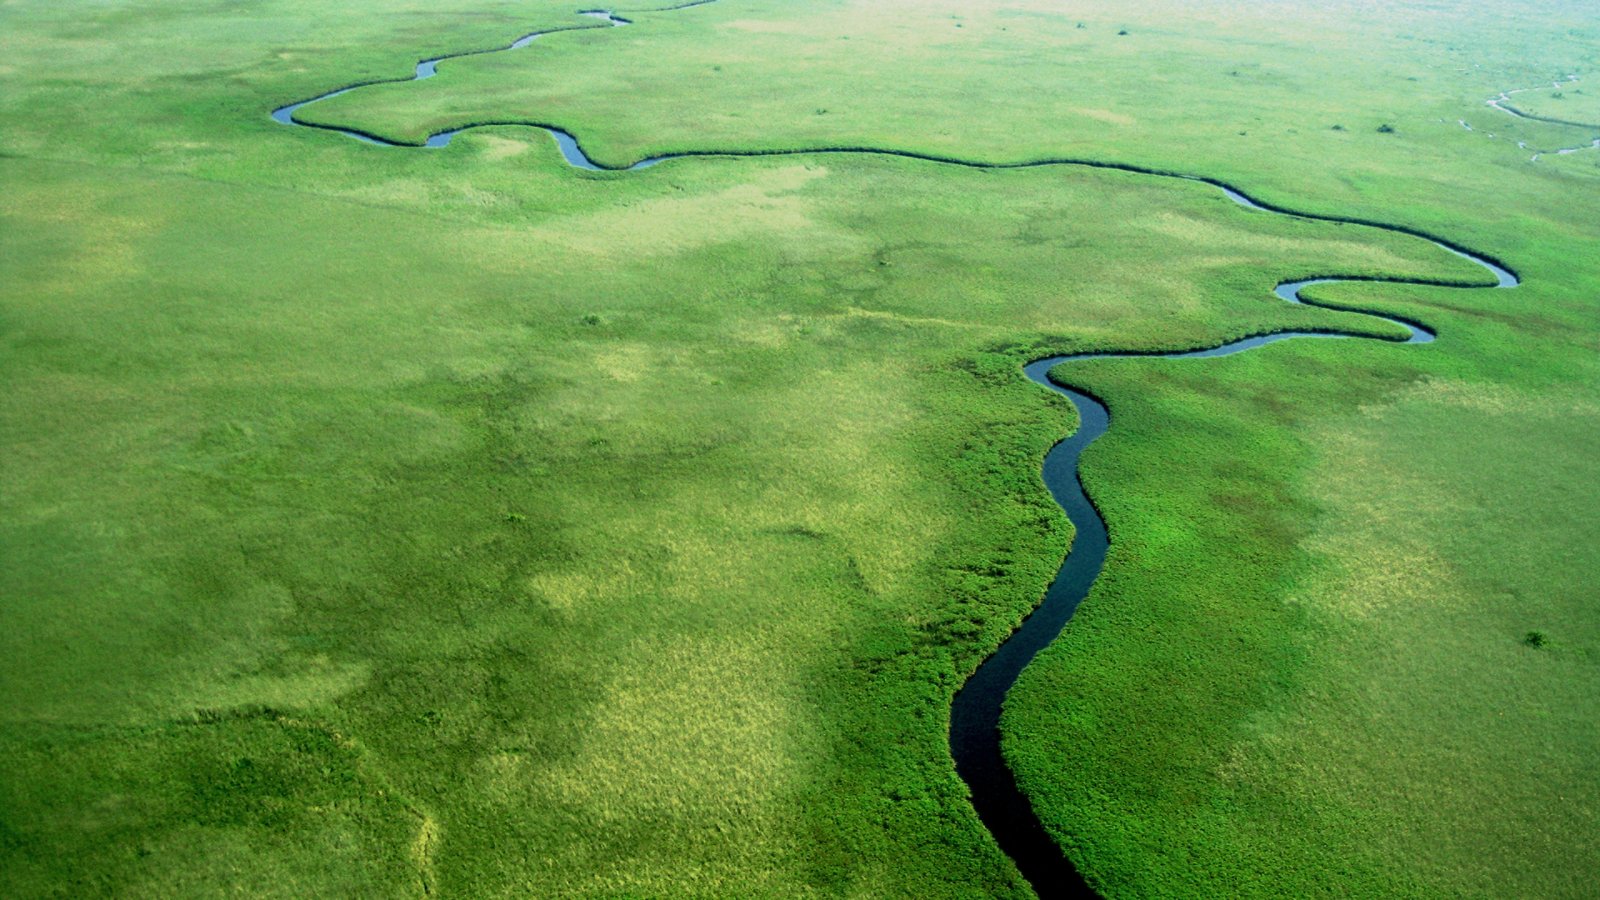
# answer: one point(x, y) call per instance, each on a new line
point(395, 522)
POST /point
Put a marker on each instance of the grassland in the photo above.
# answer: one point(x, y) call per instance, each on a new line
point(403, 522)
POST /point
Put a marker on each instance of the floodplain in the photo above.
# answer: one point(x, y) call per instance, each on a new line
point(382, 520)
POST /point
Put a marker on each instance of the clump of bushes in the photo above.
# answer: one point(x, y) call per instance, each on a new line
point(1535, 639)
point(1386, 128)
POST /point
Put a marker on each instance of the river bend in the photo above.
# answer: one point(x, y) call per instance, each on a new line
point(975, 711)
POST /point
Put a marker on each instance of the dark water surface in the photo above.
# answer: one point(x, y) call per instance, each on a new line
point(975, 712)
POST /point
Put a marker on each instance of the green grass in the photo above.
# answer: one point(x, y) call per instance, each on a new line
point(398, 522)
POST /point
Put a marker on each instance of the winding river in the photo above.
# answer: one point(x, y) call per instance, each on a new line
point(1502, 102)
point(975, 712)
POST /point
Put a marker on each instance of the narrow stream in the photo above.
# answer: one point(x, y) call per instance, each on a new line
point(975, 712)
point(1503, 104)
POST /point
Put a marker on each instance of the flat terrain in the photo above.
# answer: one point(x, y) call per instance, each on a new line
point(384, 521)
